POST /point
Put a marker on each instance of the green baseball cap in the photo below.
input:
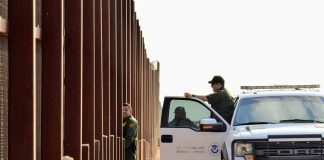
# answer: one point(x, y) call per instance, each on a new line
point(217, 79)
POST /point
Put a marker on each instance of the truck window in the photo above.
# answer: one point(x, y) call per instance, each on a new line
point(187, 114)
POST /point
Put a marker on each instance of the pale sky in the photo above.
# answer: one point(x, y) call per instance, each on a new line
point(248, 42)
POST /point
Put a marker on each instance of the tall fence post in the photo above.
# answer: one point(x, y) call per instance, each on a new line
point(113, 77)
point(22, 80)
point(88, 98)
point(52, 79)
point(73, 78)
point(106, 74)
point(120, 54)
point(98, 78)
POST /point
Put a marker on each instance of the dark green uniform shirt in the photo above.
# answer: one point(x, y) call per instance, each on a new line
point(222, 102)
point(130, 126)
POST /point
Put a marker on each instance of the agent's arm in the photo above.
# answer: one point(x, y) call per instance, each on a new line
point(202, 97)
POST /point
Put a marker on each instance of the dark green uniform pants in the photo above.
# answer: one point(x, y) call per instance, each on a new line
point(129, 155)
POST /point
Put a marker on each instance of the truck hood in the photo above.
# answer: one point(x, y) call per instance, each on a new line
point(262, 131)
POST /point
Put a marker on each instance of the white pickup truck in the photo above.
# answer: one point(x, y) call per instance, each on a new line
point(266, 125)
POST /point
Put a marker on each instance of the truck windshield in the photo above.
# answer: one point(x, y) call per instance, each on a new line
point(280, 109)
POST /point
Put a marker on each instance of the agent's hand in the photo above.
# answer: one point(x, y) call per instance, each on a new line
point(188, 95)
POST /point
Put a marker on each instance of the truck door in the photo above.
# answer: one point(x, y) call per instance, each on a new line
point(184, 133)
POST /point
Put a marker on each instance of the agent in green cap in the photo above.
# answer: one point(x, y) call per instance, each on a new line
point(130, 126)
point(221, 100)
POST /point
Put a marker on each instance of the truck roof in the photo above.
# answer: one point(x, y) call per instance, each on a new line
point(266, 93)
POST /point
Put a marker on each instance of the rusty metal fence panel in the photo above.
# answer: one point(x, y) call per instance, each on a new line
point(88, 110)
point(22, 89)
point(113, 78)
point(98, 79)
point(120, 55)
point(72, 67)
point(73, 78)
point(52, 79)
point(106, 76)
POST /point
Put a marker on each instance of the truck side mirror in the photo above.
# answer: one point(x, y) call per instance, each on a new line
point(211, 125)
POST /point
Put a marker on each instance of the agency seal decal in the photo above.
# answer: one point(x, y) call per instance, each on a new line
point(213, 148)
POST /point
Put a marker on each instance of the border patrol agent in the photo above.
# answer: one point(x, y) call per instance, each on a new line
point(221, 100)
point(180, 119)
point(130, 126)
